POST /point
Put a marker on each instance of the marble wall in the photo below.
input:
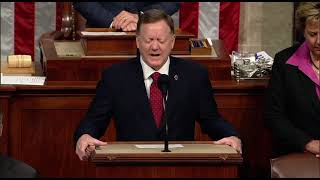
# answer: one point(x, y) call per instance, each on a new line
point(266, 26)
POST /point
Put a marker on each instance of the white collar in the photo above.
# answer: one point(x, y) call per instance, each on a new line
point(148, 71)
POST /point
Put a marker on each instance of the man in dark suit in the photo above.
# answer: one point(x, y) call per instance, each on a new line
point(119, 15)
point(127, 91)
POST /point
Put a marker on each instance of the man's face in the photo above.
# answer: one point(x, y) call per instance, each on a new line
point(312, 35)
point(155, 43)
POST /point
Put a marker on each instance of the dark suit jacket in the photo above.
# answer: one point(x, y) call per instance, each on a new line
point(100, 14)
point(293, 107)
point(121, 94)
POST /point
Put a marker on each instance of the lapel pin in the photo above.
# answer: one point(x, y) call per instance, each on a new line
point(176, 77)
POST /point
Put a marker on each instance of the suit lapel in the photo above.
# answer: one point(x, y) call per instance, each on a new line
point(141, 94)
point(315, 99)
point(309, 86)
point(176, 80)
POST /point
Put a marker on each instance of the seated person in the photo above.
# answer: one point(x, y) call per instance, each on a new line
point(119, 15)
point(129, 93)
point(293, 99)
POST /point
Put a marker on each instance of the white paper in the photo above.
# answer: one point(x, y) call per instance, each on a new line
point(158, 146)
point(86, 33)
point(264, 55)
point(23, 80)
point(210, 42)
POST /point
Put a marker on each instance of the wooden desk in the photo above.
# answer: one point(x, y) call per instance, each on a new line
point(124, 43)
point(39, 122)
point(89, 68)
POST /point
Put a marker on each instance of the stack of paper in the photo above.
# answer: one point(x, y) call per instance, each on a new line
point(86, 33)
point(23, 80)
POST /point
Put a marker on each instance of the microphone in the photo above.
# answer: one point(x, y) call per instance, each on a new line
point(163, 85)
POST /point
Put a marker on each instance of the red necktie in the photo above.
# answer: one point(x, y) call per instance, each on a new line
point(156, 100)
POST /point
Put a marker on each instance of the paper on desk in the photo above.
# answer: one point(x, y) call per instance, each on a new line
point(157, 146)
point(23, 80)
point(86, 33)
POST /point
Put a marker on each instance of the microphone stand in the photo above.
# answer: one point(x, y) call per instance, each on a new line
point(163, 85)
point(166, 142)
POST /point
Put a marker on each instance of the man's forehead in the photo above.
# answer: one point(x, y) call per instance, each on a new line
point(161, 23)
point(150, 29)
point(158, 35)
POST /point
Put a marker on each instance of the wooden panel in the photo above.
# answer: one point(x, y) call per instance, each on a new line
point(42, 134)
point(165, 171)
point(245, 112)
point(41, 120)
point(4, 111)
point(99, 45)
point(5, 95)
point(50, 140)
point(175, 164)
point(89, 68)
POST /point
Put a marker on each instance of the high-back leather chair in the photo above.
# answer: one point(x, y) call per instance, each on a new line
point(295, 165)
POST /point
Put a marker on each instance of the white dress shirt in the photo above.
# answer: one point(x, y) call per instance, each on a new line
point(148, 71)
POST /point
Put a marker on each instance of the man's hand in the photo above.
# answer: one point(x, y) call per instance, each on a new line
point(130, 27)
point(86, 145)
point(314, 147)
point(232, 141)
point(126, 21)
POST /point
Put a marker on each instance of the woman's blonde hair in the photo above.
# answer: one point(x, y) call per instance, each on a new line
point(305, 12)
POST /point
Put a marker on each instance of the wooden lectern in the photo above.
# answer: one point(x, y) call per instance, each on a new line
point(198, 159)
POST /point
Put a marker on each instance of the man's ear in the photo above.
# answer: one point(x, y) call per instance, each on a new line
point(173, 41)
point(137, 42)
